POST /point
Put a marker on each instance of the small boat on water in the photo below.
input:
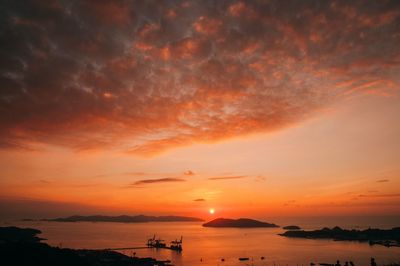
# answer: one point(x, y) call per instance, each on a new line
point(176, 245)
point(159, 243)
point(156, 243)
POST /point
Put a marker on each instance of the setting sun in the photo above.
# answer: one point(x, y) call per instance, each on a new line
point(212, 211)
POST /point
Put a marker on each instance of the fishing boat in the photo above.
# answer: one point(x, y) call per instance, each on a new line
point(156, 243)
point(176, 244)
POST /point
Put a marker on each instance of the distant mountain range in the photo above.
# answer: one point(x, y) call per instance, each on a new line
point(241, 223)
point(124, 219)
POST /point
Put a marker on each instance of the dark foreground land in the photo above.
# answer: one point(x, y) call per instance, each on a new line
point(292, 227)
point(241, 223)
point(22, 247)
point(389, 238)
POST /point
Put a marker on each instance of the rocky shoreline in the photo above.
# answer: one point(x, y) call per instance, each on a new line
point(385, 237)
point(21, 246)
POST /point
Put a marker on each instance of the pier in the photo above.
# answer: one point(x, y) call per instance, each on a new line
point(154, 243)
point(127, 248)
point(159, 243)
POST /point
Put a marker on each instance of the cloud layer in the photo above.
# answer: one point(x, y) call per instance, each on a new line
point(159, 180)
point(227, 177)
point(199, 200)
point(145, 76)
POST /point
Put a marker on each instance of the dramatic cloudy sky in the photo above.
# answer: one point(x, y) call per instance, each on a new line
point(201, 99)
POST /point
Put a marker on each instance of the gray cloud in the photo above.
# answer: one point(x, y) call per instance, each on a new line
point(383, 180)
point(159, 180)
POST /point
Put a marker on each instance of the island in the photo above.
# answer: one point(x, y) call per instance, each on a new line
point(239, 223)
point(125, 219)
point(22, 246)
point(388, 237)
point(292, 227)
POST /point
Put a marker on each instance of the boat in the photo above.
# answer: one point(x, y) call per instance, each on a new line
point(159, 243)
point(176, 244)
point(156, 243)
point(150, 241)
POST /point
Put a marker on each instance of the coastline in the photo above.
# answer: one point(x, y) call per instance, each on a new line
point(388, 237)
point(21, 246)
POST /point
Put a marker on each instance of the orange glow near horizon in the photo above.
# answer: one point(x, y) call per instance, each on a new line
point(271, 176)
point(254, 108)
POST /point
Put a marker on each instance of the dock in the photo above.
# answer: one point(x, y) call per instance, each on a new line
point(127, 248)
point(154, 243)
point(159, 243)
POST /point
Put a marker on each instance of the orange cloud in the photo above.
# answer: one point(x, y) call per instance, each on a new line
point(237, 9)
point(189, 172)
point(227, 177)
point(146, 78)
point(379, 196)
point(207, 25)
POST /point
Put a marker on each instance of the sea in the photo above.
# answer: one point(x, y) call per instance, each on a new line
point(224, 246)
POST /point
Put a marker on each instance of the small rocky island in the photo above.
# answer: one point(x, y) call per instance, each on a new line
point(389, 237)
point(21, 246)
point(239, 223)
point(292, 227)
point(125, 219)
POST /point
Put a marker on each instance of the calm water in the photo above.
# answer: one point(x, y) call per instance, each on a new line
point(212, 244)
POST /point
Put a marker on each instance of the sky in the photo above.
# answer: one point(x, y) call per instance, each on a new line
point(251, 108)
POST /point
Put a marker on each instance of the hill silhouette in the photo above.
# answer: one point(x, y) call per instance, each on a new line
point(241, 223)
point(125, 219)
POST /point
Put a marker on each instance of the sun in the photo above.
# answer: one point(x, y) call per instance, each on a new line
point(212, 211)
